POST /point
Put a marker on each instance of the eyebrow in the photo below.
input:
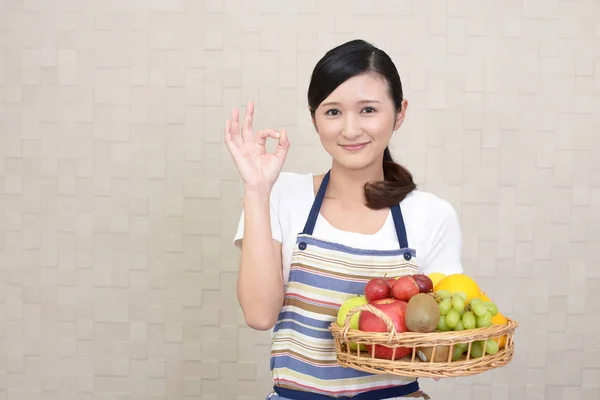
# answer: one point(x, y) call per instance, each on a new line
point(334, 103)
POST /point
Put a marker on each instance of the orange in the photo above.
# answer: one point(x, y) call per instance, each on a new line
point(459, 283)
point(500, 319)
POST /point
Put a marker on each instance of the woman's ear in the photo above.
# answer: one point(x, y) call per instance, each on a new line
point(400, 115)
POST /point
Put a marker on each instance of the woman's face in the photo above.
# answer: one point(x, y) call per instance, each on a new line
point(356, 121)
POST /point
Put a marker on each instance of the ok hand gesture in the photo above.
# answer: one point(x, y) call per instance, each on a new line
point(258, 169)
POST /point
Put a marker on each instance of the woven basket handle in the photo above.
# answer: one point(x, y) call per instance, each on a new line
point(367, 307)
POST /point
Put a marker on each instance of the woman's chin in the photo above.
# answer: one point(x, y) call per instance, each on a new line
point(355, 162)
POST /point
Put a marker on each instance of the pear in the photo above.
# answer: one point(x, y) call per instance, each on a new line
point(345, 309)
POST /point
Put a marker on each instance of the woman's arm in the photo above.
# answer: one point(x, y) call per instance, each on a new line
point(260, 278)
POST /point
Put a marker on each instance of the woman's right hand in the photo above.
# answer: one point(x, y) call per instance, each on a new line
point(258, 169)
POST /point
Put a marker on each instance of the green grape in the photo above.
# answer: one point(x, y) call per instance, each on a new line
point(484, 321)
point(475, 301)
point(441, 326)
point(444, 294)
point(462, 346)
point(468, 320)
point(479, 309)
point(445, 306)
point(491, 346)
point(458, 303)
point(457, 353)
point(477, 349)
point(492, 308)
point(461, 294)
point(460, 326)
point(452, 318)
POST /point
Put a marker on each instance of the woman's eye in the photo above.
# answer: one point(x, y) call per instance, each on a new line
point(369, 110)
point(332, 113)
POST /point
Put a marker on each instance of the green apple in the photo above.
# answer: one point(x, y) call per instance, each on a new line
point(345, 309)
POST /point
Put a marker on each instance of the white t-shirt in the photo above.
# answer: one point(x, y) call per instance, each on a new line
point(431, 223)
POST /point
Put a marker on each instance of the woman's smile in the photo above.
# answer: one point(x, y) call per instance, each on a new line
point(354, 146)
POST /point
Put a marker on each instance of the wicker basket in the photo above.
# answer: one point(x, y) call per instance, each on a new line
point(412, 365)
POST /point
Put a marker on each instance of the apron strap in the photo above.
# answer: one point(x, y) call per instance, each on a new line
point(309, 227)
point(316, 207)
point(400, 227)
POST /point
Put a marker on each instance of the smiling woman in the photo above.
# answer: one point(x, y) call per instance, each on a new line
point(356, 100)
point(349, 124)
point(311, 241)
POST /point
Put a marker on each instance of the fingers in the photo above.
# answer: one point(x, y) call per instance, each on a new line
point(232, 135)
point(228, 136)
point(235, 125)
point(261, 137)
point(231, 140)
point(248, 118)
point(234, 139)
point(282, 146)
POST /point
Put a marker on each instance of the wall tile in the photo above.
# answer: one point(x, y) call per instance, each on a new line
point(120, 200)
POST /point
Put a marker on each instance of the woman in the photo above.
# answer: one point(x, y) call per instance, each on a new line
point(308, 239)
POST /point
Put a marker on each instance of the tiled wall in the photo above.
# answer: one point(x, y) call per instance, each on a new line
point(118, 200)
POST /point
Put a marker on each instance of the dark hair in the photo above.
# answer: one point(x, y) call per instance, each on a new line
point(345, 61)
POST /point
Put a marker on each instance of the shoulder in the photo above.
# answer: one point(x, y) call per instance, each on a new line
point(292, 187)
point(292, 180)
point(428, 203)
point(430, 214)
point(436, 225)
point(290, 196)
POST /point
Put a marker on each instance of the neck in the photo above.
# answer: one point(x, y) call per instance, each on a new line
point(349, 184)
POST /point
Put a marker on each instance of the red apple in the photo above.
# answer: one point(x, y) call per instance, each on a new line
point(424, 282)
point(404, 288)
point(391, 281)
point(377, 288)
point(369, 322)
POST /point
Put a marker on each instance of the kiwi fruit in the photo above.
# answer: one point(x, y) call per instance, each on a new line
point(441, 353)
point(422, 313)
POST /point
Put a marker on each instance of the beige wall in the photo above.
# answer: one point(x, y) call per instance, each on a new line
point(118, 200)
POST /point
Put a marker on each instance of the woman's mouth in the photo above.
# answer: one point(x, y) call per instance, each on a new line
point(354, 146)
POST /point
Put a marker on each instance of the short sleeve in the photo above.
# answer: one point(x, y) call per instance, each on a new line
point(445, 245)
point(276, 230)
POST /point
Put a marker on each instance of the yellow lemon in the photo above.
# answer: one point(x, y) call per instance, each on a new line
point(436, 277)
point(459, 283)
point(484, 297)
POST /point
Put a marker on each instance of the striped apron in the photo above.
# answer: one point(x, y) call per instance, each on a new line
point(323, 275)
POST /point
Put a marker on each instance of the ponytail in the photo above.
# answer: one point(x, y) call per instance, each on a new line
point(397, 184)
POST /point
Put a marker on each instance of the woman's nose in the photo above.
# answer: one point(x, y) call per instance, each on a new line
point(351, 129)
